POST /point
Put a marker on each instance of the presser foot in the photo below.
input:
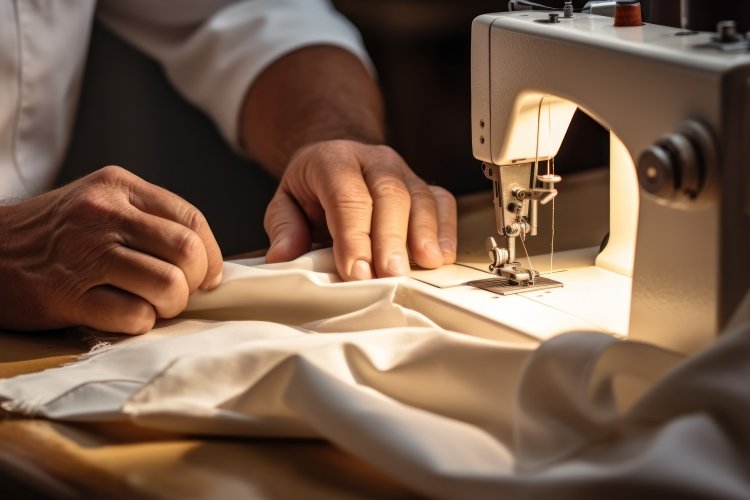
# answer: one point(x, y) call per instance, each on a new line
point(505, 286)
point(514, 273)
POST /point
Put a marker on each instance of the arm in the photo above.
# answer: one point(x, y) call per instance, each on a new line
point(312, 115)
point(314, 118)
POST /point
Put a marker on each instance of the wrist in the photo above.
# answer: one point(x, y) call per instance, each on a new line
point(312, 95)
point(338, 134)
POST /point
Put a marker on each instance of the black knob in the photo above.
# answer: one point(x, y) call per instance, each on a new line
point(673, 168)
point(656, 172)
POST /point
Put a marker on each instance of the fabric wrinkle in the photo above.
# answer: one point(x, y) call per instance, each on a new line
point(447, 414)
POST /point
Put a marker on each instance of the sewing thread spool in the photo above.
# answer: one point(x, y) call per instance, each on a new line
point(628, 13)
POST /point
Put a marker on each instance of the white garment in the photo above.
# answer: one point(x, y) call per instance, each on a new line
point(285, 350)
point(211, 51)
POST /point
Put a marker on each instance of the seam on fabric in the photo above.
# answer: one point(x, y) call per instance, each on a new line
point(80, 385)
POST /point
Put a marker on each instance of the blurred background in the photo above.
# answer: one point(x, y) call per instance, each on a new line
point(130, 116)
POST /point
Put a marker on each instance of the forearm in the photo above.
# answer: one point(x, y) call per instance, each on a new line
point(313, 94)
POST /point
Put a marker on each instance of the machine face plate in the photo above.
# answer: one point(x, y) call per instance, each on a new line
point(502, 286)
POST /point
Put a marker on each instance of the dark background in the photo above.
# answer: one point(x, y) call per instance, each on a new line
point(130, 116)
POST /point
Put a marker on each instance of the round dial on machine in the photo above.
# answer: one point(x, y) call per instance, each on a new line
point(674, 169)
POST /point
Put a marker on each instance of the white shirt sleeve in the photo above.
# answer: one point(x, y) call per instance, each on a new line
point(212, 51)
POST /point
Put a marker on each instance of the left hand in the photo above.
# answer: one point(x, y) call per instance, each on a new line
point(372, 204)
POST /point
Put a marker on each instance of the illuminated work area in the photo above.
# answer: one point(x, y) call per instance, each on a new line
point(563, 333)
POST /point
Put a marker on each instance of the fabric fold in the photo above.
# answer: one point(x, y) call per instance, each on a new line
point(288, 351)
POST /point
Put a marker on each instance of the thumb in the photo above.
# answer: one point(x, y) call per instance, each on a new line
point(287, 229)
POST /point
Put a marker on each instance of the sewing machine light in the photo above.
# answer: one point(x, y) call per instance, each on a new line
point(538, 126)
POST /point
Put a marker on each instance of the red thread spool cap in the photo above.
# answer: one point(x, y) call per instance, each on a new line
point(628, 14)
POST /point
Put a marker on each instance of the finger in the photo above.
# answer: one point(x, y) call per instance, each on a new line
point(170, 242)
point(423, 225)
point(159, 283)
point(111, 310)
point(390, 219)
point(287, 229)
point(447, 223)
point(161, 203)
point(348, 208)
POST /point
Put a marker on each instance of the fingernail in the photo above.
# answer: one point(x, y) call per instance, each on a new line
point(432, 247)
point(396, 266)
point(360, 270)
point(216, 282)
point(448, 247)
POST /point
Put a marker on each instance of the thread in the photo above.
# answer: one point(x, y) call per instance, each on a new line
point(552, 231)
point(538, 131)
point(528, 259)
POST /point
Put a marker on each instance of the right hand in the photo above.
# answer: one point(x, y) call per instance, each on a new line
point(372, 204)
point(108, 251)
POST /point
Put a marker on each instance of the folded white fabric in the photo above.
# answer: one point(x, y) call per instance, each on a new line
point(288, 351)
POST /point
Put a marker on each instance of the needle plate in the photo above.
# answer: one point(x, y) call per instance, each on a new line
point(503, 286)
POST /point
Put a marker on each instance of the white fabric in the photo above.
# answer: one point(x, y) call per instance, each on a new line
point(285, 350)
point(210, 50)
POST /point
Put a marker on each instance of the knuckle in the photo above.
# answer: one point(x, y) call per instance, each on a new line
point(195, 219)
point(332, 147)
point(96, 210)
point(391, 188)
point(92, 202)
point(188, 245)
point(174, 292)
point(352, 198)
point(139, 319)
point(424, 198)
point(387, 153)
point(388, 242)
point(443, 196)
point(420, 188)
point(111, 174)
point(269, 222)
point(424, 229)
point(271, 214)
point(275, 228)
point(170, 280)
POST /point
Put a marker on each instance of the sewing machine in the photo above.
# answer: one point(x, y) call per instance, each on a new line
point(677, 105)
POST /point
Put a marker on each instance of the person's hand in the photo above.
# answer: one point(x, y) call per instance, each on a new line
point(109, 251)
point(371, 203)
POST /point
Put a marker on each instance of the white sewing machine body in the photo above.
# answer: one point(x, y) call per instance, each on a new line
point(676, 264)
